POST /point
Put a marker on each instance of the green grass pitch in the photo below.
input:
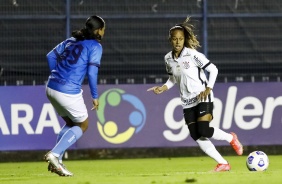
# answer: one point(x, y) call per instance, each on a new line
point(143, 171)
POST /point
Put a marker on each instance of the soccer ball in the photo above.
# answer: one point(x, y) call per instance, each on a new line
point(257, 161)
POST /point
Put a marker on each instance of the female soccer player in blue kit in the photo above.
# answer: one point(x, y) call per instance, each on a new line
point(185, 67)
point(69, 63)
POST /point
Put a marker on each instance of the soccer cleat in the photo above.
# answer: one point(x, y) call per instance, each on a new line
point(222, 167)
point(55, 166)
point(67, 172)
point(51, 168)
point(236, 145)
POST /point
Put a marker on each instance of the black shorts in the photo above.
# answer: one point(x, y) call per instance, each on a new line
point(193, 113)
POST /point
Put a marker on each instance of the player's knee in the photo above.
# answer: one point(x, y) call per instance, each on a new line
point(205, 131)
point(195, 136)
point(84, 128)
point(83, 125)
point(193, 131)
point(68, 121)
point(206, 117)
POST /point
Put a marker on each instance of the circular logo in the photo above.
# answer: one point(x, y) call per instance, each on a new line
point(126, 116)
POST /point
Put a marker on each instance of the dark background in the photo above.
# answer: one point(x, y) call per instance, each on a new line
point(243, 38)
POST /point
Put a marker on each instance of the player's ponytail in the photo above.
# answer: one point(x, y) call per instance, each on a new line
point(79, 34)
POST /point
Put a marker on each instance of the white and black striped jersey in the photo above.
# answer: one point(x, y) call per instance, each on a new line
point(188, 72)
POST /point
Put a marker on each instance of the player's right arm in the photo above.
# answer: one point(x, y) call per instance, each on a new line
point(52, 60)
point(158, 89)
point(93, 68)
point(169, 83)
point(53, 55)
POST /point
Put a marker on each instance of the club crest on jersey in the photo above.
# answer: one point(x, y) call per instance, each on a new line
point(186, 64)
point(198, 61)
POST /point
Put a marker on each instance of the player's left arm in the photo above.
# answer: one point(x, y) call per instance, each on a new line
point(213, 71)
point(202, 62)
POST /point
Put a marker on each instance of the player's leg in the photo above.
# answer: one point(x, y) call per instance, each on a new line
point(61, 133)
point(66, 141)
point(204, 143)
point(65, 128)
point(53, 97)
point(205, 130)
point(74, 112)
point(204, 116)
point(207, 147)
point(70, 137)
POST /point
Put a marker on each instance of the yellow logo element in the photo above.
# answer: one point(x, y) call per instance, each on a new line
point(109, 133)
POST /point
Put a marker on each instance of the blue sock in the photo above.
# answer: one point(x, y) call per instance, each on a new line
point(61, 133)
point(68, 139)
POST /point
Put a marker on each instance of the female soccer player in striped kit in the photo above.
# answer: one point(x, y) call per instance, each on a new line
point(69, 62)
point(185, 67)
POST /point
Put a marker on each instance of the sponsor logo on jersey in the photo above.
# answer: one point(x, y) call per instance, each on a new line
point(198, 61)
point(189, 101)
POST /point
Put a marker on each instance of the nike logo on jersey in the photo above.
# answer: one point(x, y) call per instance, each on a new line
point(186, 55)
point(201, 112)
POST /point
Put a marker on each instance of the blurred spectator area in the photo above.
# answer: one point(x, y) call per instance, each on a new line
point(242, 37)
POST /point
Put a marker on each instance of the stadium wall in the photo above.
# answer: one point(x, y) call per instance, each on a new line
point(28, 123)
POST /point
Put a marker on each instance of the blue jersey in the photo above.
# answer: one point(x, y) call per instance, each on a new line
point(70, 61)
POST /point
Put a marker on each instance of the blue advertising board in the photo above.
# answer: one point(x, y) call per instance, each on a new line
point(129, 116)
